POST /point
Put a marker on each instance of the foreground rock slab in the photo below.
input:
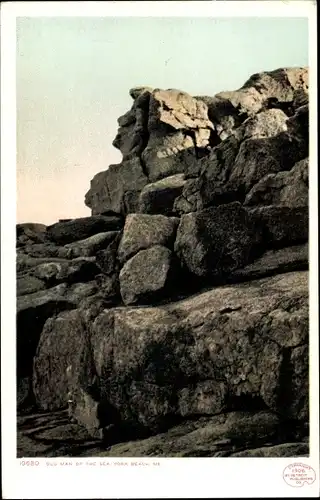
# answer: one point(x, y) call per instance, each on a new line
point(236, 347)
point(237, 434)
point(231, 347)
point(52, 435)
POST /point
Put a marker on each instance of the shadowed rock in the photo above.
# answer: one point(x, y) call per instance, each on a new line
point(284, 188)
point(159, 197)
point(79, 229)
point(64, 336)
point(90, 246)
point(217, 240)
point(281, 225)
point(276, 261)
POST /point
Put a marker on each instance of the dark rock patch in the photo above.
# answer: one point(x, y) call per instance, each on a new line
point(79, 229)
point(217, 240)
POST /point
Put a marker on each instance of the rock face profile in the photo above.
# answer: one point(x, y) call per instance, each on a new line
point(173, 321)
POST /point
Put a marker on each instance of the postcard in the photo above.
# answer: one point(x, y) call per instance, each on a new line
point(159, 250)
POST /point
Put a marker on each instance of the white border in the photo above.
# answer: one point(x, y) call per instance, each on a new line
point(275, 8)
point(198, 477)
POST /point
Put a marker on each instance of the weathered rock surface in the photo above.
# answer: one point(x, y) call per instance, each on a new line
point(284, 188)
point(146, 276)
point(62, 335)
point(142, 231)
point(29, 284)
point(30, 233)
point(217, 240)
point(33, 227)
point(107, 259)
point(117, 189)
point(43, 291)
point(25, 263)
point(283, 88)
point(45, 250)
point(280, 450)
point(174, 320)
point(132, 133)
point(177, 122)
point(234, 348)
point(51, 434)
point(266, 121)
point(154, 137)
point(208, 354)
point(237, 164)
point(90, 246)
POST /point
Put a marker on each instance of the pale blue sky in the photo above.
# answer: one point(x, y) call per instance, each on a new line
point(73, 77)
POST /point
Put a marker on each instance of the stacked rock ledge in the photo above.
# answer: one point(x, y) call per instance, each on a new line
point(175, 317)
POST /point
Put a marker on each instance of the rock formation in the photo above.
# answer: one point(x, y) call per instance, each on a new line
point(174, 320)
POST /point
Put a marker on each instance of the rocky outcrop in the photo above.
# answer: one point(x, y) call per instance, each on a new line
point(167, 132)
point(175, 318)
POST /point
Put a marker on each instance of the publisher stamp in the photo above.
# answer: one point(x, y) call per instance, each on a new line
point(298, 474)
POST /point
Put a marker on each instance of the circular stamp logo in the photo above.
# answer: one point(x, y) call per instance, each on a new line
point(298, 475)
